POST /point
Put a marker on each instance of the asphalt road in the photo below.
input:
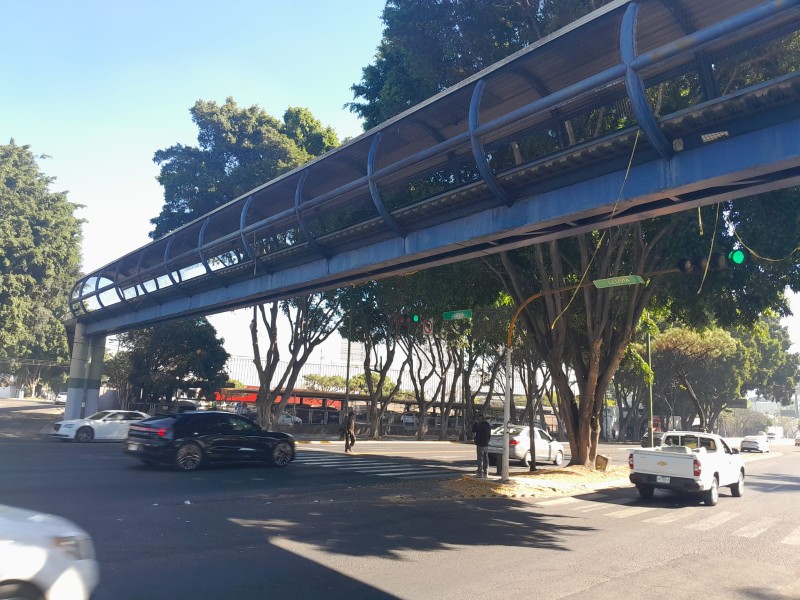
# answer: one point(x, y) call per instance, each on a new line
point(376, 525)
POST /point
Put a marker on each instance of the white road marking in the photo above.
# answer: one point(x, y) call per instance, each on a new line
point(565, 500)
point(793, 539)
point(712, 522)
point(755, 528)
point(671, 516)
point(631, 511)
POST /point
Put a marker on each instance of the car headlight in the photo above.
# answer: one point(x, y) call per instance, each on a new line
point(75, 546)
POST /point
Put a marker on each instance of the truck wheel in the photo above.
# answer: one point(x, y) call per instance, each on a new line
point(737, 489)
point(711, 496)
point(645, 491)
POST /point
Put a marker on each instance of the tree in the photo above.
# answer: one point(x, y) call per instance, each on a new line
point(40, 239)
point(172, 357)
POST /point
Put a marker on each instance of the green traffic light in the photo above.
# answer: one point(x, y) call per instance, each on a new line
point(415, 318)
point(737, 257)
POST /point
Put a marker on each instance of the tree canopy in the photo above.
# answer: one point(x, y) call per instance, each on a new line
point(166, 358)
point(40, 239)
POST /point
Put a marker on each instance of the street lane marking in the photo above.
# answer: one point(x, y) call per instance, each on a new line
point(793, 539)
point(755, 528)
point(565, 500)
point(599, 504)
point(671, 516)
point(712, 522)
point(629, 512)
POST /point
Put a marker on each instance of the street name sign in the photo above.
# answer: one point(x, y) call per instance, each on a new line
point(455, 315)
point(617, 281)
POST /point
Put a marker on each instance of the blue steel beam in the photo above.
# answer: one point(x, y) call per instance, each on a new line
point(760, 161)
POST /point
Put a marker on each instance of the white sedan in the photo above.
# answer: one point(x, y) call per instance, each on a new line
point(287, 419)
point(104, 425)
point(519, 446)
point(754, 443)
point(44, 556)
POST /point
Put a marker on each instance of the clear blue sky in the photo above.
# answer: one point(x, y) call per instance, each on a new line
point(100, 85)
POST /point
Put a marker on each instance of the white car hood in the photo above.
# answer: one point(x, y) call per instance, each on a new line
point(19, 523)
point(74, 422)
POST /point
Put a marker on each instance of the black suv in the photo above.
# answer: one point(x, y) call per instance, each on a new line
point(191, 439)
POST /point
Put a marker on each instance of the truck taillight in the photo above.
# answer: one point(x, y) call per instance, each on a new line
point(630, 460)
point(698, 467)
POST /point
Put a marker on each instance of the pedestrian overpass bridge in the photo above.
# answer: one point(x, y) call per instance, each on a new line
point(640, 109)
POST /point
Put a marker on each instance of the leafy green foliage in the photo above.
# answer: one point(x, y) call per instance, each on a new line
point(174, 356)
point(40, 240)
point(238, 150)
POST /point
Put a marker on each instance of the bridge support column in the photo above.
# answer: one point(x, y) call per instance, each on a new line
point(85, 371)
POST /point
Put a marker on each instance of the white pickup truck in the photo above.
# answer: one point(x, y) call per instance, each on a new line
point(688, 461)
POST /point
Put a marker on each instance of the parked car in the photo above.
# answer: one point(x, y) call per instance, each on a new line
point(191, 439)
point(104, 425)
point(287, 419)
point(754, 443)
point(44, 557)
point(61, 398)
point(519, 446)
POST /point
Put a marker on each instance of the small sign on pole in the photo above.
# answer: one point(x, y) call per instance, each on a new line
point(427, 326)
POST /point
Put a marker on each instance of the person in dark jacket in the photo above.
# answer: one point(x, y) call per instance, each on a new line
point(349, 432)
point(482, 431)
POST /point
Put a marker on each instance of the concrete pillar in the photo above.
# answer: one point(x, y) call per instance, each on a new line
point(85, 371)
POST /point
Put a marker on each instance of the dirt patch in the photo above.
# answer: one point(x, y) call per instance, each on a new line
point(543, 483)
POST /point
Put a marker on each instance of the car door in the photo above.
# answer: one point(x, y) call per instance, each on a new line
point(125, 422)
point(252, 443)
point(106, 427)
point(544, 446)
point(729, 464)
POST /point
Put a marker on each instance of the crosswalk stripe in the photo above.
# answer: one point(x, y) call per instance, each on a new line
point(793, 539)
point(711, 522)
point(755, 528)
point(426, 476)
point(565, 500)
point(631, 511)
point(671, 516)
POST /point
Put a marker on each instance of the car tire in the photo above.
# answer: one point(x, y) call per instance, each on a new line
point(188, 457)
point(645, 491)
point(737, 489)
point(526, 461)
point(281, 454)
point(711, 496)
point(84, 434)
point(559, 459)
point(19, 591)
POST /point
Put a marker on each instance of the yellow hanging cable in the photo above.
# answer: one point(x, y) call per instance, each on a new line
point(760, 257)
point(602, 235)
point(710, 251)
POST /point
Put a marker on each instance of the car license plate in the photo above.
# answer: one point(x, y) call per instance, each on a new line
point(662, 479)
point(134, 447)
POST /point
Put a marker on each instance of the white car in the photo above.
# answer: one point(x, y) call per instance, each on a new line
point(61, 398)
point(754, 443)
point(104, 425)
point(287, 419)
point(44, 557)
point(519, 446)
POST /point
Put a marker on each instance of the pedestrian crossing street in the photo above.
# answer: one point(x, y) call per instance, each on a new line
point(693, 518)
point(376, 467)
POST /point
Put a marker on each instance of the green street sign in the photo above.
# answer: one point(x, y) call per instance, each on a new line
point(455, 315)
point(617, 281)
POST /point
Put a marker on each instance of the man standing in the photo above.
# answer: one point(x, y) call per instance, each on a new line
point(349, 431)
point(482, 431)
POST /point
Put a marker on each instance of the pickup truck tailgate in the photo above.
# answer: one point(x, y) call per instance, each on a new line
point(671, 462)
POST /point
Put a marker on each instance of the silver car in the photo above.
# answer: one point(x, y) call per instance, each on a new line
point(519, 446)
